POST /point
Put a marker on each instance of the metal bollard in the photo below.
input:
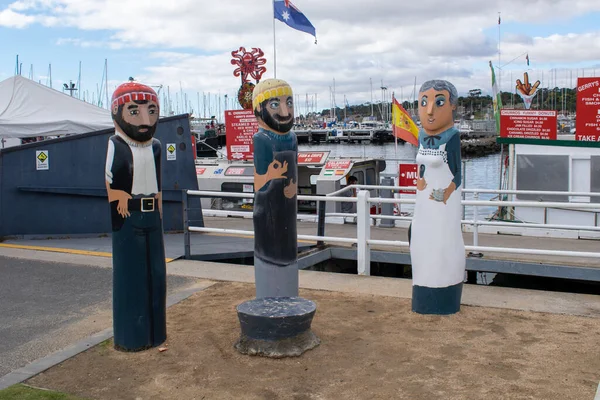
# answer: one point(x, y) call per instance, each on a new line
point(363, 233)
point(186, 225)
point(387, 208)
point(475, 228)
point(321, 222)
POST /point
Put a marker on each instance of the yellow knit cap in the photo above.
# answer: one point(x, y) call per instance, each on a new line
point(269, 88)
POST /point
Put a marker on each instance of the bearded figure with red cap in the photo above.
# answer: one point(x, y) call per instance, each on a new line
point(133, 183)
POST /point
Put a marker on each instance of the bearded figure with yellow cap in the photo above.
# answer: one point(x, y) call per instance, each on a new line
point(275, 186)
point(133, 183)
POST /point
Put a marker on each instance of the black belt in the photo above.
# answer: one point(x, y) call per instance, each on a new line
point(144, 204)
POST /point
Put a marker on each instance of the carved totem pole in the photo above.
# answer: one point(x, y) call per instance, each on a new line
point(437, 249)
point(277, 323)
point(133, 183)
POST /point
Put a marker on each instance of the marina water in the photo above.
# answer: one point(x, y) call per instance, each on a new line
point(478, 173)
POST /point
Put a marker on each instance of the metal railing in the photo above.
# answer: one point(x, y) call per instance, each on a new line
point(363, 216)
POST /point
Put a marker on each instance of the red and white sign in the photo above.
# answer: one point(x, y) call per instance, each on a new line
point(312, 157)
point(338, 164)
point(528, 124)
point(407, 176)
point(587, 125)
point(200, 170)
point(235, 171)
point(240, 126)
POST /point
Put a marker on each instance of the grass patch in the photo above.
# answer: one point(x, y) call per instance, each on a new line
point(23, 392)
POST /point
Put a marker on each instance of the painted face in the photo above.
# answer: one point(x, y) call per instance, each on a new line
point(278, 113)
point(138, 119)
point(435, 111)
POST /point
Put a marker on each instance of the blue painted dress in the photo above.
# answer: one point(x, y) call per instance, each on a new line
point(275, 240)
point(437, 248)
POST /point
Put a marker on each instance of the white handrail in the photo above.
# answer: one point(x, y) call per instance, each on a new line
point(363, 240)
point(468, 190)
point(484, 203)
point(499, 203)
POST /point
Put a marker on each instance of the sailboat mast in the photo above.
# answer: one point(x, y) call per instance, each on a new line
point(371, 81)
point(106, 71)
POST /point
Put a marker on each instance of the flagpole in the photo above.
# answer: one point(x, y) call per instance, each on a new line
point(274, 45)
point(499, 80)
point(394, 128)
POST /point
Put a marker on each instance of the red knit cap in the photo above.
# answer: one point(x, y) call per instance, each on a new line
point(131, 91)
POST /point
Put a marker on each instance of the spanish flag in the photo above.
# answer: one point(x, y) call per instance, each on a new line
point(403, 125)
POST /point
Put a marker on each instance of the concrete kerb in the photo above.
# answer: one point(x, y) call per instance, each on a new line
point(39, 366)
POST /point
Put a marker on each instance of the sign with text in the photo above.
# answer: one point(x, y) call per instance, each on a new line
point(42, 160)
point(407, 176)
point(312, 157)
point(240, 126)
point(587, 124)
point(338, 164)
point(528, 124)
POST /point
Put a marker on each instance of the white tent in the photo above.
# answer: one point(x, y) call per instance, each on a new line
point(29, 109)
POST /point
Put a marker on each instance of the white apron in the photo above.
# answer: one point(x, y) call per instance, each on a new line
point(437, 249)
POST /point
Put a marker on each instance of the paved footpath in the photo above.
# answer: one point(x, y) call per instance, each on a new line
point(47, 304)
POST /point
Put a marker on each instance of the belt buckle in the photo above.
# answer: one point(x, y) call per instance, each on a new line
point(147, 201)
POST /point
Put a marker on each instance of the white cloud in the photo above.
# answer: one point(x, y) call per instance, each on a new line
point(11, 19)
point(189, 42)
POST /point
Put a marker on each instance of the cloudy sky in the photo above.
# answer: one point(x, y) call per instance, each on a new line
point(186, 45)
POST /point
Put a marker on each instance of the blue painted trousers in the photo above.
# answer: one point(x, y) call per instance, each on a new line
point(139, 283)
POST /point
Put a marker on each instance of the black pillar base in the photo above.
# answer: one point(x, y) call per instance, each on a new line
point(276, 327)
point(439, 301)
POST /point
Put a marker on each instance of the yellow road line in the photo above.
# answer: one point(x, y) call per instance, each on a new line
point(63, 250)
point(107, 254)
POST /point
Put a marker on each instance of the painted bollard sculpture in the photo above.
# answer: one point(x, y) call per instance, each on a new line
point(133, 183)
point(437, 249)
point(277, 323)
point(275, 187)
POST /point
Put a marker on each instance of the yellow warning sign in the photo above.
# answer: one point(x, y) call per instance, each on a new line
point(42, 160)
point(171, 152)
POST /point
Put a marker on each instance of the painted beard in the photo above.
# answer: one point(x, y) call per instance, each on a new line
point(276, 122)
point(134, 133)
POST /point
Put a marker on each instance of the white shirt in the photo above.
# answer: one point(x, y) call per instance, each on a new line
point(144, 169)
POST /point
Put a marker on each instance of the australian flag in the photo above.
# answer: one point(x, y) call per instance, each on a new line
point(287, 13)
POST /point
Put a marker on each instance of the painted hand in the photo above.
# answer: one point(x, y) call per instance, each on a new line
point(122, 206)
point(290, 190)
point(448, 191)
point(276, 170)
point(421, 184)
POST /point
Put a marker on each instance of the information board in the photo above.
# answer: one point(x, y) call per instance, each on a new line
point(240, 126)
point(407, 176)
point(312, 157)
point(587, 124)
point(338, 164)
point(529, 124)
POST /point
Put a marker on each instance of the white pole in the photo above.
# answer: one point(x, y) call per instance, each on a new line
point(274, 46)
point(511, 163)
point(363, 231)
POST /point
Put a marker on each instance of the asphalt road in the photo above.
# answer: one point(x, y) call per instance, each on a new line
point(46, 306)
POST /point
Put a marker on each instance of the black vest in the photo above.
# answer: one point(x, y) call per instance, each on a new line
point(122, 171)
